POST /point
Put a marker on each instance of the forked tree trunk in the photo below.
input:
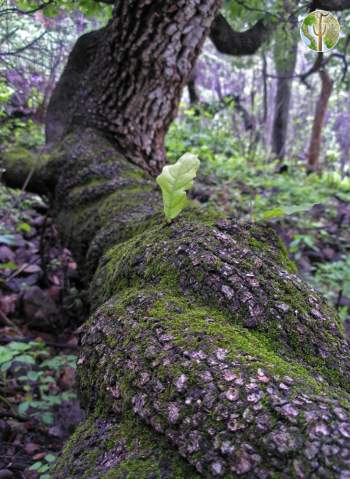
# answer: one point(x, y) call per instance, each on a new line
point(313, 157)
point(126, 79)
point(205, 355)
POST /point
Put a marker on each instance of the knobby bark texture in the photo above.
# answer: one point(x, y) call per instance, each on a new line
point(126, 79)
point(205, 355)
point(313, 157)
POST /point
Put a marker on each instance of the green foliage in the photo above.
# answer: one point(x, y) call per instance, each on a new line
point(248, 176)
point(90, 8)
point(209, 136)
point(284, 48)
point(252, 10)
point(280, 211)
point(25, 134)
point(36, 373)
point(5, 93)
point(43, 467)
point(300, 241)
point(334, 279)
point(23, 227)
point(174, 181)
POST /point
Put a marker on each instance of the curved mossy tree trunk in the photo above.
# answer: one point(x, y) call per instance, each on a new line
point(205, 355)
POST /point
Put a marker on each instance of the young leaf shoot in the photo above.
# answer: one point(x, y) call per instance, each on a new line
point(174, 181)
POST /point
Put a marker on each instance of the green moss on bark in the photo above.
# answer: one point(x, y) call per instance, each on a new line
point(248, 284)
point(206, 384)
point(122, 448)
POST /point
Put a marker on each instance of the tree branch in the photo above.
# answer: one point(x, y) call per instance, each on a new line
point(228, 41)
point(331, 5)
point(25, 47)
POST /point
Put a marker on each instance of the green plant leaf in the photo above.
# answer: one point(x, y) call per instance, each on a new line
point(23, 228)
point(50, 458)
point(8, 265)
point(282, 211)
point(274, 213)
point(23, 407)
point(18, 347)
point(25, 359)
point(174, 181)
point(47, 419)
point(6, 354)
point(36, 466)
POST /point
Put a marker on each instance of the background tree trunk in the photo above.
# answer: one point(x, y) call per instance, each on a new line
point(313, 156)
point(285, 56)
point(285, 70)
point(192, 89)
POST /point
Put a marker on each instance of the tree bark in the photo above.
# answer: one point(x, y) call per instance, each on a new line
point(230, 42)
point(313, 157)
point(332, 5)
point(205, 355)
point(127, 78)
point(265, 89)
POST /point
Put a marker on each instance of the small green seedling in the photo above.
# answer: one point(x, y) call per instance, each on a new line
point(174, 180)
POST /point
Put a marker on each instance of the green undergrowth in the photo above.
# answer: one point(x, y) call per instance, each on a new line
point(37, 375)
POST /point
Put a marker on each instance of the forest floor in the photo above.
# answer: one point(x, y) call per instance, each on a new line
point(40, 309)
point(41, 306)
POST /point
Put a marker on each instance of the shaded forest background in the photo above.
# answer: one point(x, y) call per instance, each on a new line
point(270, 124)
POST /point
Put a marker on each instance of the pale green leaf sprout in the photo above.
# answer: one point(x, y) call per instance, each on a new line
point(174, 181)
